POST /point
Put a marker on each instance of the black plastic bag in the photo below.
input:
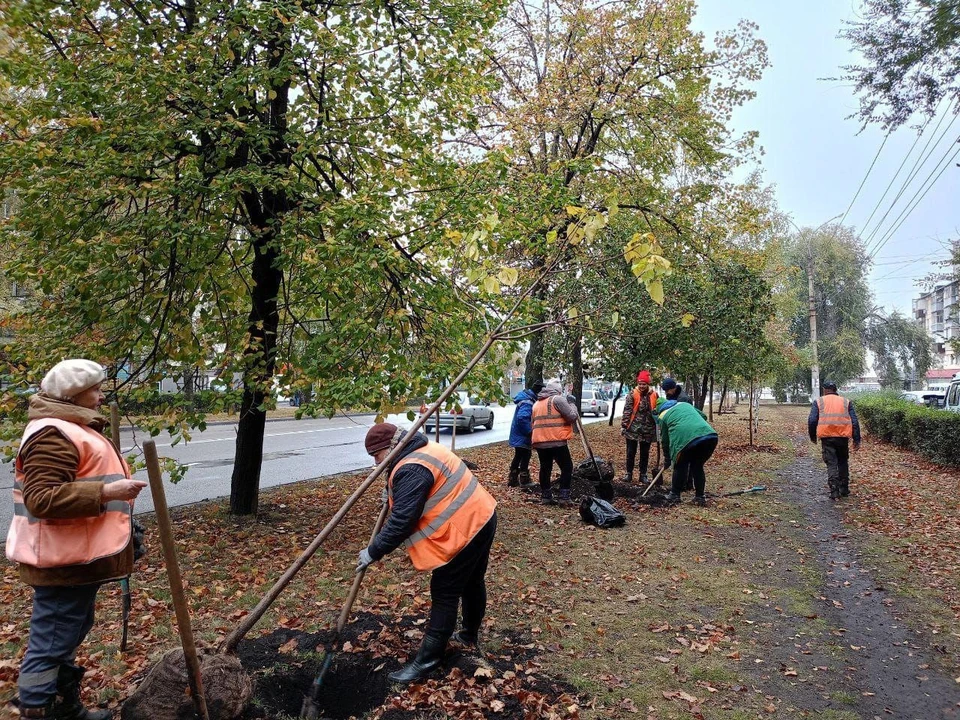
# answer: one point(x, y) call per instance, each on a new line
point(599, 512)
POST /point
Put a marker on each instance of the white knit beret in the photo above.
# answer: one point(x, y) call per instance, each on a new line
point(69, 378)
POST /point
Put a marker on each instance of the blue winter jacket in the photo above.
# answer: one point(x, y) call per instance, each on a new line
point(521, 428)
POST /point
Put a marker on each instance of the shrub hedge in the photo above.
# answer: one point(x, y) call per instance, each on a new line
point(932, 433)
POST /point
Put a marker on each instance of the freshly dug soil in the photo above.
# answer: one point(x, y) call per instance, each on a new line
point(357, 682)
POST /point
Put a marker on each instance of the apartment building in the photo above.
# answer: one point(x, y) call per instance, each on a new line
point(938, 312)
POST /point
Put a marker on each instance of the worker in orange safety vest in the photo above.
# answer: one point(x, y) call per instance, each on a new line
point(446, 520)
point(71, 531)
point(833, 422)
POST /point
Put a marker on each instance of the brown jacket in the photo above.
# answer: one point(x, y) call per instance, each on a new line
point(50, 464)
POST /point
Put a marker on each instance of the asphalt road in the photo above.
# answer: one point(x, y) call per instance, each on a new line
point(293, 450)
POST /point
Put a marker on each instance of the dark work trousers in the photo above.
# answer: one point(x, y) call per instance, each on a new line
point(564, 462)
point(62, 617)
point(690, 464)
point(462, 579)
point(644, 447)
point(836, 454)
point(521, 460)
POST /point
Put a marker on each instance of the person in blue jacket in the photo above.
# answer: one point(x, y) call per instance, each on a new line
point(521, 430)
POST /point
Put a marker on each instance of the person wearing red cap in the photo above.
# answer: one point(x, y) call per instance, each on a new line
point(639, 426)
point(446, 520)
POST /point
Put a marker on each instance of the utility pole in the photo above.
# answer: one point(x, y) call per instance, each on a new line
point(815, 366)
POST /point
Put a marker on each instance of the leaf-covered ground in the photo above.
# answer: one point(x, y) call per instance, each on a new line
point(775, 604)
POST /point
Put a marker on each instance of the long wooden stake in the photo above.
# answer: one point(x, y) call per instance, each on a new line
point(233, 639)
point(176, 581)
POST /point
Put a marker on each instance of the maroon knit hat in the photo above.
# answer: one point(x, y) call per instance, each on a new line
point(379, 437)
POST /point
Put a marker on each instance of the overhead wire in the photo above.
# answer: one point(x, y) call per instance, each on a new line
point(917, 167)
point(866, 175)
point(925, 188)
point(906, 157)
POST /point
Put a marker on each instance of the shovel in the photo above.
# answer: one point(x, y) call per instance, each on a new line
point(124, 582)
point(309, 709)
point(754, 489)
point(604, 489)
point(652, 482)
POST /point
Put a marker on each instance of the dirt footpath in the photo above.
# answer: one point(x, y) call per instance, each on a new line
point(853, 654)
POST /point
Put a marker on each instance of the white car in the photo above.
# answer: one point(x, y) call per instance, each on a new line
point(468, 414)
point(593, 402)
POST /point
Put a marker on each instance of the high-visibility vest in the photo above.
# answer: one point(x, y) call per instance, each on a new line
point(457, 507)
point(834, 418)
point(636, 405)
point(548, 424)
point(55, 542)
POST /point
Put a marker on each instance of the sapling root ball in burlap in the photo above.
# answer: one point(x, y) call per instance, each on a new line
point(164, 694)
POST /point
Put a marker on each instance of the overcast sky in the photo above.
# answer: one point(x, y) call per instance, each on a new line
point(817, 157)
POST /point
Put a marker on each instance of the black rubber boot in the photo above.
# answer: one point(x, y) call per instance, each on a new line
point(546, 497)
point(470, 638)
point(40, 713)
point(427, 660)
point(524, 478)
point(700, 500)
point(69, 706)
point(629, 479)
point(671, 498)
point(844, 489)
point(564, 497)
point(514, 478)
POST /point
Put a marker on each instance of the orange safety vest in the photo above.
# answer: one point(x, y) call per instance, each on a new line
point(59, 542)
point(457, 507)
point(834, 420)
point(548, 424)
point(636, 404)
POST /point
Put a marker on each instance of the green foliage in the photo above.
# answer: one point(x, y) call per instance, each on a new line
point(901, 349)
point(911, 59)
point(933, 433)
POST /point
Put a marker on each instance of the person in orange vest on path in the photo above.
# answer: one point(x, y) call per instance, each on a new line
point(553, 421)
point(447, 521)
point(71, 531)
point(639, 426)
point(834, 422)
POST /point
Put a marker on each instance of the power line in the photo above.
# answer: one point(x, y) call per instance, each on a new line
point(862, 182)
point(904, 162)
point(917, 166)
point(919, 195)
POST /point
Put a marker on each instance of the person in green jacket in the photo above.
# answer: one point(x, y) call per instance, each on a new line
point(688, 441)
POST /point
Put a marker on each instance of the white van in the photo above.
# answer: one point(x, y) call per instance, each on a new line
point(952, 399)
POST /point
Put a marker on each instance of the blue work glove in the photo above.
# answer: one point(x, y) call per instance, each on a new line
point(363, 560)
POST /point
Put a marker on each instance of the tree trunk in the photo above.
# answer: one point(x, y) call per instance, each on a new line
point(265, 211)
point(613, 404)
point(576, 368)
point(188, 384)
point(533, 365)
point(723, 395)
point(711, 397)
point(700, 391)
point(750, 419)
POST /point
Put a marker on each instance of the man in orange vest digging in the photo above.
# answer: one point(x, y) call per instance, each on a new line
point(552, 421)
point(447, 522)
point(71, 531)
point(834, 422)
point(639, 426)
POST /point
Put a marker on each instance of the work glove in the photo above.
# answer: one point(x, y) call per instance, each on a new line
point(363, 560)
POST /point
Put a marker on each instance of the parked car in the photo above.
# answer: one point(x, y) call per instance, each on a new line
point(468, 414)
point(930, 398)
point(952, 400)
point(592, 402)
